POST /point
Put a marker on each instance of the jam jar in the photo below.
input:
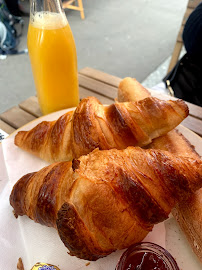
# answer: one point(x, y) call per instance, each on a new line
point(146, 256)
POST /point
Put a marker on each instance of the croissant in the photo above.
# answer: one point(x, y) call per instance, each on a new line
point(93, 125)
point(106, 200)
point(187, 213)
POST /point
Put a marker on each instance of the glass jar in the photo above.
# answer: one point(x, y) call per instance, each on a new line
point(146, 256)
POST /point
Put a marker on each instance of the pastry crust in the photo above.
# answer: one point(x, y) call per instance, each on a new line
point(126, 93)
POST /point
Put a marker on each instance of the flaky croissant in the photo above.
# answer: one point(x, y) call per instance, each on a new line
point(107, 200)
point(188, 213)
point(93, 125)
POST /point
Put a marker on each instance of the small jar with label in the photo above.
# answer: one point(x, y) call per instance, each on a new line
point(146, 256)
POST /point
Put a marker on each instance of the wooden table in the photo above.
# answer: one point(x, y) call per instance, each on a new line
point(91, 83)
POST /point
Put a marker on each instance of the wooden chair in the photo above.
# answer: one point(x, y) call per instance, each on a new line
point(192, 4)
point(71, 5)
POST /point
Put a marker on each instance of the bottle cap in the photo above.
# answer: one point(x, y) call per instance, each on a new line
point(44, 266)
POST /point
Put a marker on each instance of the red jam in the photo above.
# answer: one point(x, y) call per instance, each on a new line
point(146, 256)
point(144, 261)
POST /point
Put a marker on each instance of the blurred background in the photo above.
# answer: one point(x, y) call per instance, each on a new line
point(123, 38)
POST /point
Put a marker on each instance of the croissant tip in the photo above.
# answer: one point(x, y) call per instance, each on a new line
point(183, 106)
point(15, 214)
point(18, 138)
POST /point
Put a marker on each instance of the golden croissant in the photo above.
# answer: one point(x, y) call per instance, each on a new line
point(106, 200)
point(93, 125)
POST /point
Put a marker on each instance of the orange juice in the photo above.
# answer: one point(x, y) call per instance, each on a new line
point(53, 58)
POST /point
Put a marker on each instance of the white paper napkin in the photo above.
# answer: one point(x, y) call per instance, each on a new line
point(33, 242)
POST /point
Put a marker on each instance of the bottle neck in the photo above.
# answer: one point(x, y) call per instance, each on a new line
point(45, 6)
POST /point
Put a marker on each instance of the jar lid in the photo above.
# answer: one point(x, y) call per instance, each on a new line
point(146, 256)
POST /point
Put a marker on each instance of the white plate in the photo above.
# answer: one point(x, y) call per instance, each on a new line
point(18, 239)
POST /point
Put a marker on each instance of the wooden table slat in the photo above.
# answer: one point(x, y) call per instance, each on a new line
point(16, 117)
point(195, 111)
point(83, 92)
point(97, 87)
point(31, 106)
point(5, 127)
point(101, 76)
point(194, 124)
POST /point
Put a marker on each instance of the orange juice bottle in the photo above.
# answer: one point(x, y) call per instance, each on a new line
point(53, 57)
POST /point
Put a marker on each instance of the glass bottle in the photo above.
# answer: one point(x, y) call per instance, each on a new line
point(52, 53)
